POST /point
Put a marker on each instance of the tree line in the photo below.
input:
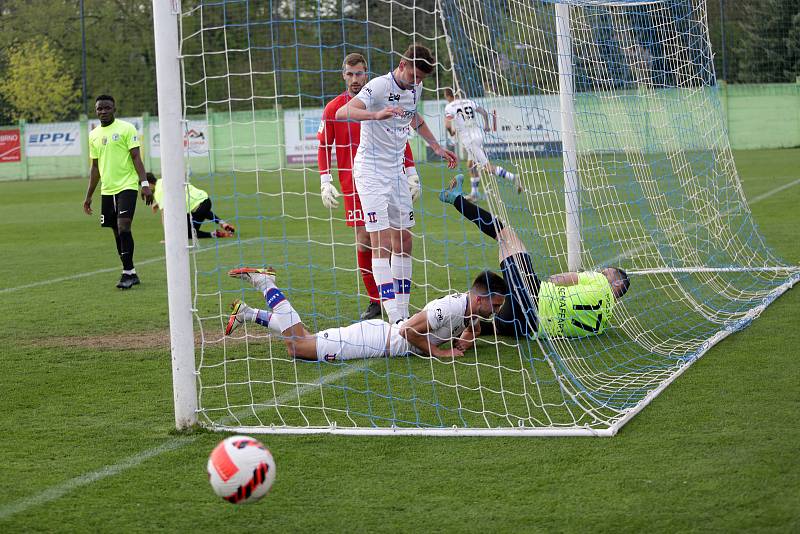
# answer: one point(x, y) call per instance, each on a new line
point(240, 55)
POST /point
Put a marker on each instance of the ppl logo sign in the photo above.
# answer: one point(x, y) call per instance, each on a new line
point(54, 139)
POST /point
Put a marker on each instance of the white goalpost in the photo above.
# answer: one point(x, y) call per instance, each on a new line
point(608, 111)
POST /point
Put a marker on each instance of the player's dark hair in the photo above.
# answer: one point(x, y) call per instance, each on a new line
point(490, 282)
point(626, 282)
point(420, 57)
point(351, 60)
point(105, 97)
point(150, 177)
point(448, 93)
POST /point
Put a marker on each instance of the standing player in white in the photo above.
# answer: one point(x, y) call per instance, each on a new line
point(387, 107)
point(460, 120)
point(453, 320)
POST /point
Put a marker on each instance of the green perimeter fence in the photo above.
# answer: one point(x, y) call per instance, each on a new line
point(756, 116)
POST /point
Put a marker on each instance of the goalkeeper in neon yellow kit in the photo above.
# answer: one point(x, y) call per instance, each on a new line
point(198, 209)
point(565, 305)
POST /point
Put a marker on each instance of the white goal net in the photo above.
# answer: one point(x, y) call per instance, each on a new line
point(606, 111)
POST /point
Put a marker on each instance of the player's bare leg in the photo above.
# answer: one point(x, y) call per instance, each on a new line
point(509, 243)
point(281, 318)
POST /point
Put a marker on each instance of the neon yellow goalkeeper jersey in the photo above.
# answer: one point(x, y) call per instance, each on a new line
point(580, 310)
point(194, 196)
point(111, 146)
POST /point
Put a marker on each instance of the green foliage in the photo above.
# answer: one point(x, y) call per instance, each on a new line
point(769, 46)
point(119, 46)
point(297, 47)
point(37, 84)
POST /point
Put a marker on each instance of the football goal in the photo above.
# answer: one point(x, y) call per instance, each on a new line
point(607, 112)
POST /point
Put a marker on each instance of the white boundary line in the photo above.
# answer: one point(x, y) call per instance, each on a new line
point(56, 492)
point(755, 199)
point(59, 490)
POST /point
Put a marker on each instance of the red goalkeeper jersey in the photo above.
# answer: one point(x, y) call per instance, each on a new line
point(345, 136)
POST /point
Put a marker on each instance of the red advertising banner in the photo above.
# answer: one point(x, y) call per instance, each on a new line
point(9, 146)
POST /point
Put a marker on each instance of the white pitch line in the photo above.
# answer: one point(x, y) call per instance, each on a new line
point(112, 269)
point(73, 277)
point(762, 196)
point(775, 191)
point(56, 492)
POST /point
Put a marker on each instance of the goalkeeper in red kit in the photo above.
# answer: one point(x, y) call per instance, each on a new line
point(345, 135)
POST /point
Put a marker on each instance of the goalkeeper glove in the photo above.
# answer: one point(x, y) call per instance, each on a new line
point(328, 190)
point(413, 183)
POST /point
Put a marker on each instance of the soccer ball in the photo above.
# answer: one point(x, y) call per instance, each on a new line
point(241, 469)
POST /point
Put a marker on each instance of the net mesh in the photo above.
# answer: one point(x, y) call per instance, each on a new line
point(659, 196)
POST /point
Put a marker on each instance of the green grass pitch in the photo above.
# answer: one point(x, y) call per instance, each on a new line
point(88, 442)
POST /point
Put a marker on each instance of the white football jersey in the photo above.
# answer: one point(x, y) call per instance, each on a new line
point(447, 318)
point(383, 142)
point(464, 114)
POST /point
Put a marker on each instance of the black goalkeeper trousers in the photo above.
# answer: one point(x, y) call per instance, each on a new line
point(518, 315)
point(198, 216)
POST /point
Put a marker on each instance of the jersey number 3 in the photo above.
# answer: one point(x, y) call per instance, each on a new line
point(585, 307)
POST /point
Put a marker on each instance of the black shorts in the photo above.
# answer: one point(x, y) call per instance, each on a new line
point(123, 204)
point(518, 315)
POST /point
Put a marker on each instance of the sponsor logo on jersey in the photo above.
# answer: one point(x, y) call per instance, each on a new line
point(115, 137)
point(329, 357)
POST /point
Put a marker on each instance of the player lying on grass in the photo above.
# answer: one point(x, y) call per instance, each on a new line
point(565, 305)
point(445, 328)
point(198, 209)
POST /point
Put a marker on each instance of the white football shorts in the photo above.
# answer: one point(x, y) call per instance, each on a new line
point(475, 150)
point(366, 339)
point(385, 201)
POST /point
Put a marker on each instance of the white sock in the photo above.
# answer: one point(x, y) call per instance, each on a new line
point(502, 173)
point(383, 279)
point(283, 315)
point(262, 317)
point(132, 271)
point(401, 271)
point(476, 182)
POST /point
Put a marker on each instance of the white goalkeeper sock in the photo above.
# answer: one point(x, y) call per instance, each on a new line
point(401, 271)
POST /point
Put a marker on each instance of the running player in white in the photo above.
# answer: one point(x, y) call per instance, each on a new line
point(387, 107)
point(453, 320)
point(460, 120)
